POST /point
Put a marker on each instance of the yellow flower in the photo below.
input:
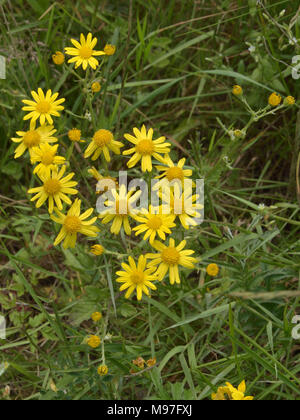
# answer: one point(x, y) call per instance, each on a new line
point(120, 209)
point(222, 394)
point(154, 222)
point(275, 99)
point(239, 134)
point(84, 52)
point(145, 148)
point(237, 90)
point(94, 341)
point(43, 106)
point(54, 189)
point(46, 156)
point(109, 49)
point(96, 316)
point(238, 394)
point(212, 270)
point(75, 135)
point(182, 204)
point(289, 101)
point(97, 250)
point(140, 362)
point(170, 258)
point(102, 370)
point(136, 277)
point(103, 141)
point(58, 58)
point(96, 87)
point(151, 362)
point(33, 138)
point(74, 223)
point(172, 172)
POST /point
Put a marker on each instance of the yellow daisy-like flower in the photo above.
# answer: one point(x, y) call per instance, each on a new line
point(33, 138)
point(47, 158)
point(43, 106)
point(109, 49)
point(58, 58)
point(145, 148)
point(102, 370)
point(136, 277)
point(96, 87)
point(154, 222)
point(275, 99)
point(103, 141)
point(96, 316)
point(75, 135)
point(172, 172)
point(212, 270)
point(84, 52)
point(170, 258)
point(97, 250)
point(237, 90)
point(74, 223)
point(93, 341)
point(151, 362)
point(54, 189)
point(120, 209)
point(233, 393)
point(182, 203)
point(222, 394)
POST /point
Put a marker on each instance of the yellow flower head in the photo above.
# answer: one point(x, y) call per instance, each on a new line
point(102, 370)
point(275, 99)
point(109, 49)
point(153, 222)
point(289, 101)
point(58, 58)
point(151, 362)
point(120, 209)
point(172, 172)
point(212, 270)
point(182, 203)
point(47, 158)
point(222, 394)
point(239, 134)
point(96, 87)
point(74, 223)
point(96, 316)
point(94, 341)
point(75, 135)
point(103, 142)
point(54, 189)
point(238, 394)
point(145, 148)
point(136, 277)
point(169, 258)
point(97, 250)
point(43, 106)
point(84, 53)
point(140, 362)
point(33, 138)
point(237, 90)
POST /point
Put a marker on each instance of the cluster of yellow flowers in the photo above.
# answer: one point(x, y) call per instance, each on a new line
point(275, 99)
point(94, 342)
point(57, 187)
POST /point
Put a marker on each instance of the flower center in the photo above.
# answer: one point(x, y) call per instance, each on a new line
point(154, 222)
point(102, 137)
point(145, 147)
point(32, 138)
point(174, 173)
point(122, 207)
point(72, 224)
point(74, 134)
point(43, 107)
point(137, 277)
point(170, 256)
point(52, 186)
point(47, 158)
point(85, 52)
